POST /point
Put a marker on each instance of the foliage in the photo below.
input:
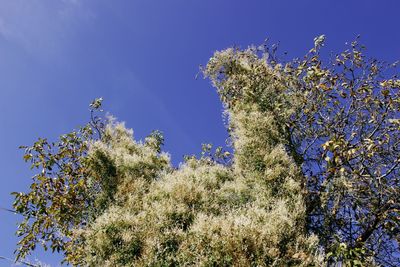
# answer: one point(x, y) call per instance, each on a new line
point(312, 178)
point(340, 123)
point(203, 213)
point(62, 192)
point(346, 133)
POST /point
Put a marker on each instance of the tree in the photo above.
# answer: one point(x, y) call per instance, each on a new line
point(346, 137)
point(313, 178)
point(342, 130)
point(62, 194)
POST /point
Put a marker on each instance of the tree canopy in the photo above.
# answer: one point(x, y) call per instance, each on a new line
point(313, 178)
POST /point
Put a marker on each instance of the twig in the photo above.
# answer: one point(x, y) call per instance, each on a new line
point(9, 210)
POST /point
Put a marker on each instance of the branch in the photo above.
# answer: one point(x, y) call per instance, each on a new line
point(390, 170)
point(9, 210)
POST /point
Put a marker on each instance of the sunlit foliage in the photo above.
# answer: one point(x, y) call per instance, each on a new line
point(312, 180)
point(346, 137)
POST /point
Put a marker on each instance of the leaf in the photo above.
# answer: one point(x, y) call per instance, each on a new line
point(319, 40)
point(27, 157)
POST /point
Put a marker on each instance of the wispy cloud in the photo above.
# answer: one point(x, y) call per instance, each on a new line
point(42, 28)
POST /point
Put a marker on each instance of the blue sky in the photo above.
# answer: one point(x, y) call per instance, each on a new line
point(142, 58)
